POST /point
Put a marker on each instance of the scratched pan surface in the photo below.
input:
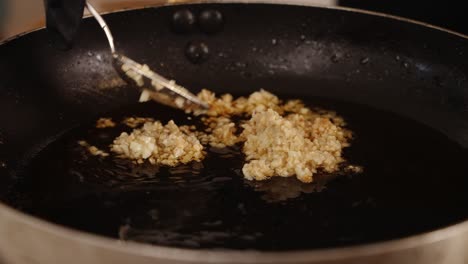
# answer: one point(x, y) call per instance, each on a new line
point(401, 86)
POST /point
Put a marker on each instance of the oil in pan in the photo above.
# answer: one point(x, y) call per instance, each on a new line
point(413, 182)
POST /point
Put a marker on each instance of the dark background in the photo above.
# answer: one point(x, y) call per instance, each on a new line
point(448, 14)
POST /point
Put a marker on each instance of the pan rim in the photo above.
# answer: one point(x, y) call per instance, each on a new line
point(273, 2)
point(244, 256)
point(227, 256)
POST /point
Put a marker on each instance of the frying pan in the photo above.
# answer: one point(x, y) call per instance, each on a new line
point(414, 70)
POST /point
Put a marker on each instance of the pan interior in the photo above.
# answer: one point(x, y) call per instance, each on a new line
point(379, 74)
point(413, 181)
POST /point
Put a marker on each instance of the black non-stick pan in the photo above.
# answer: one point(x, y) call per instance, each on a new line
point(401, 86)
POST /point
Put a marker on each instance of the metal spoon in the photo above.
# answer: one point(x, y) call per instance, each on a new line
point(142, 77)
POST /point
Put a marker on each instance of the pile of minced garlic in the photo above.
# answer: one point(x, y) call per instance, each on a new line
point(278, 138)
point(166, 145)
